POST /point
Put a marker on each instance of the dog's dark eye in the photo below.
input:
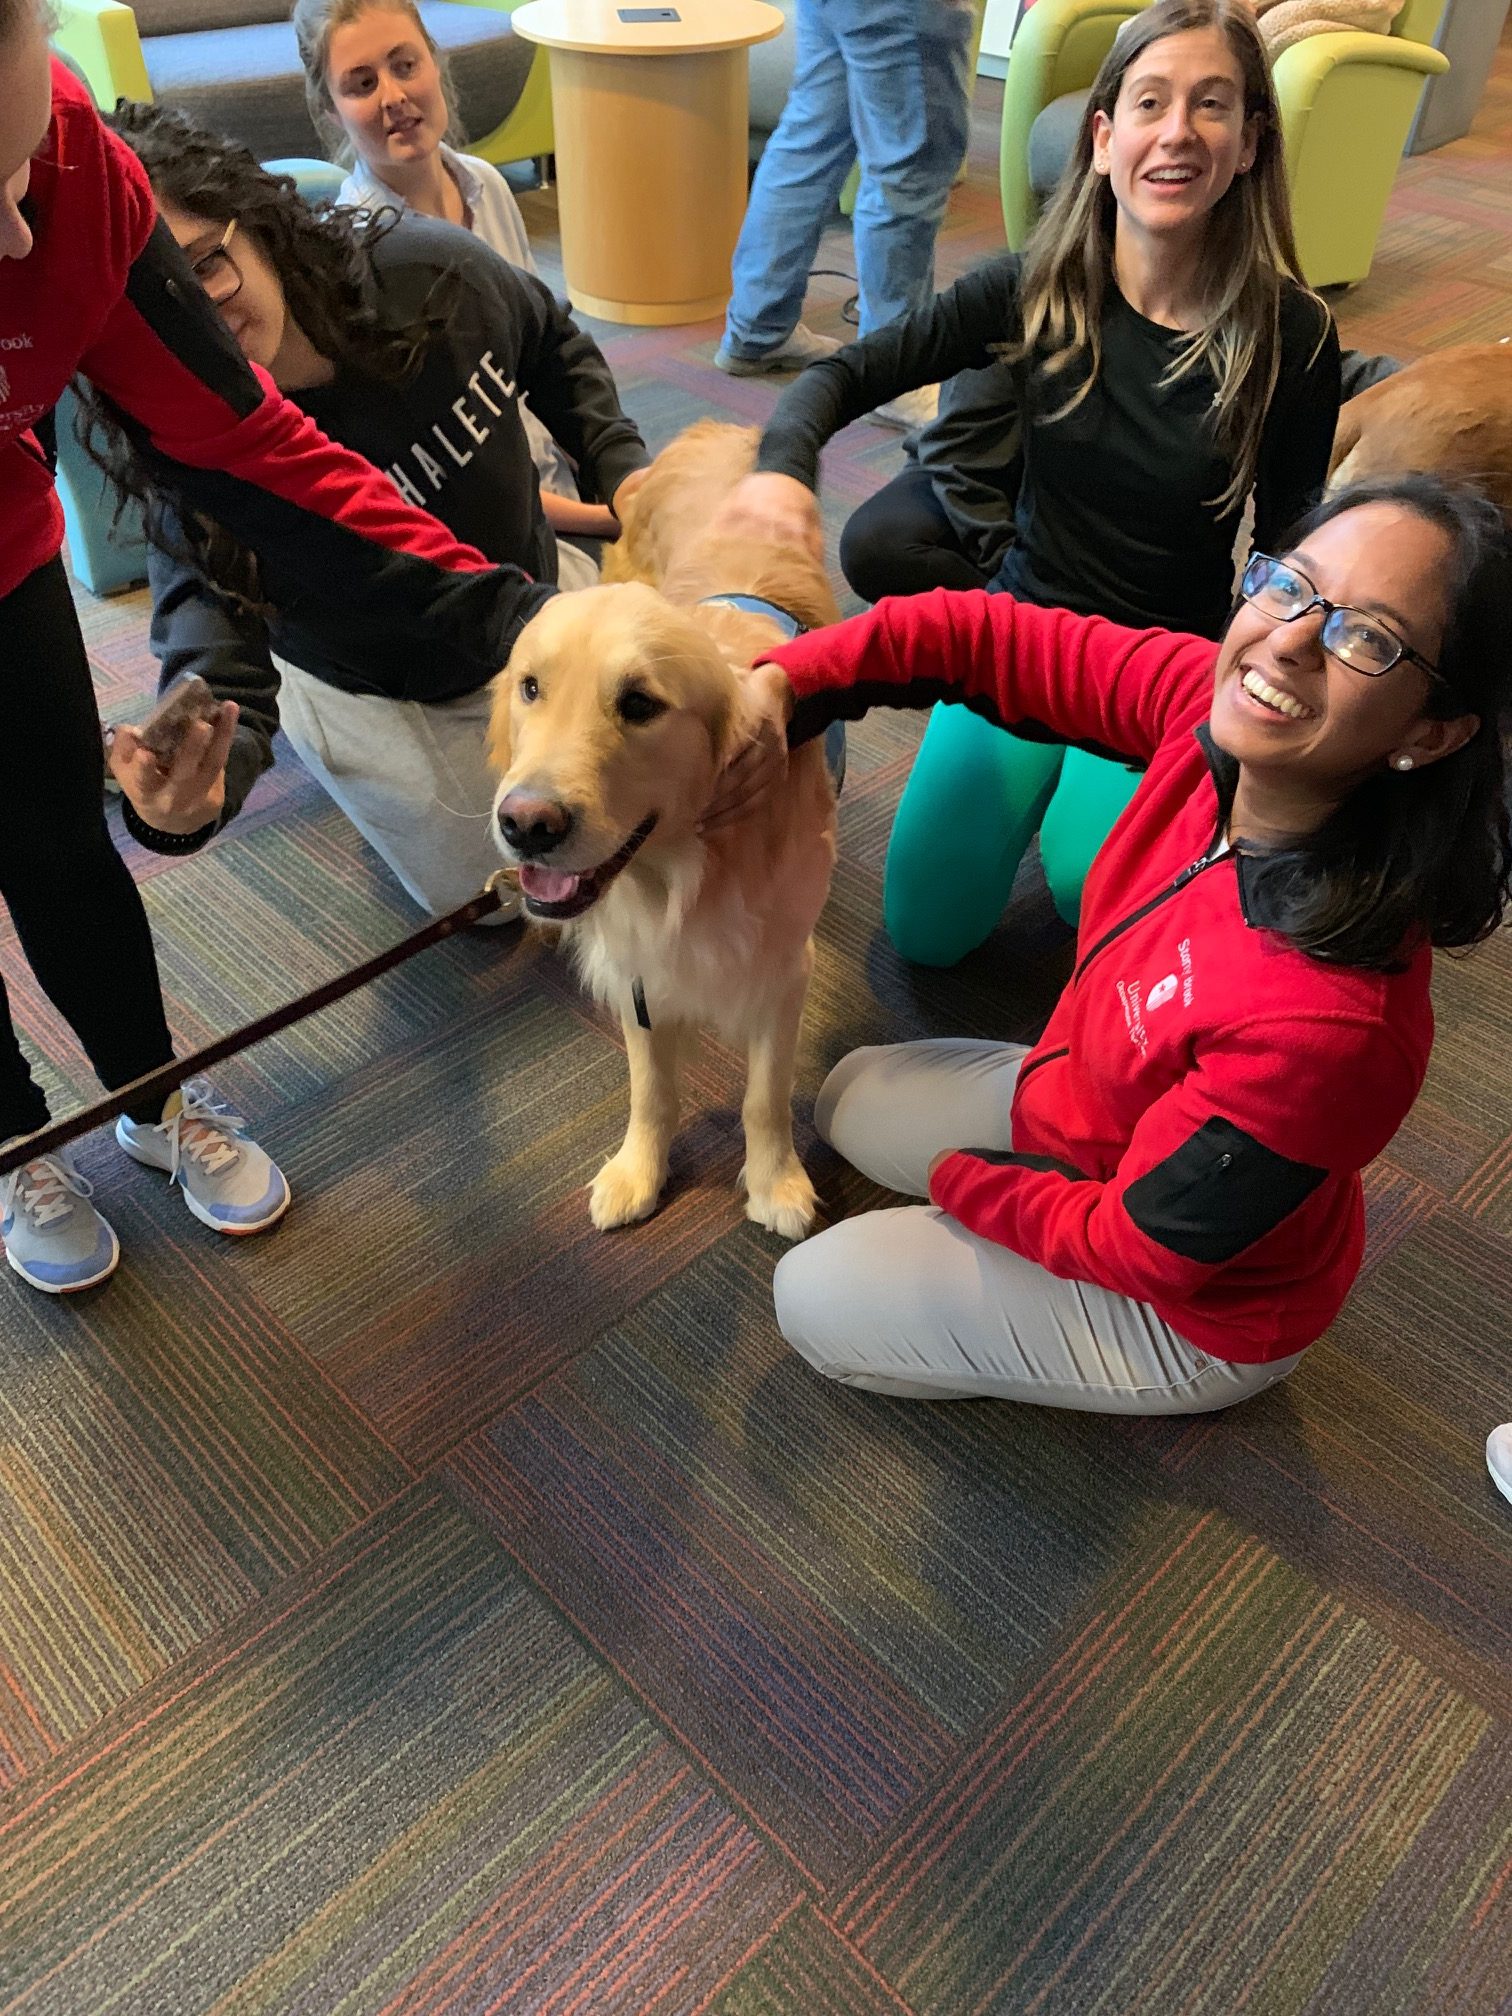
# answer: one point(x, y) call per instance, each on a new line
point(637, 707)
point(530, 688)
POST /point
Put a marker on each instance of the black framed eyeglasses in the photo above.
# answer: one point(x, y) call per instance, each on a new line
point(217, 272)
point(1357, 639)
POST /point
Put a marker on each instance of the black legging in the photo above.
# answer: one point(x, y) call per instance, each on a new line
point(900, 542)
point(76, 910)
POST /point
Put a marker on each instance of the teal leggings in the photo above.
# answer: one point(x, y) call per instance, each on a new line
point(975, 799)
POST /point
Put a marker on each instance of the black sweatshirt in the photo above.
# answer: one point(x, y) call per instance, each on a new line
point(1114, 514)
point(452, 441)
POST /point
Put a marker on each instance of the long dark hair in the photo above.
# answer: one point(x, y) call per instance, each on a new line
point(322, 258)
point(1424, 857)
point(1068, 262)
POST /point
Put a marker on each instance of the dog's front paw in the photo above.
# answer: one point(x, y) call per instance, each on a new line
point(624, 1191)
point(786, 1205)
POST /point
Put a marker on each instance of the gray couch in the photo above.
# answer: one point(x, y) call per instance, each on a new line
point(233, 65)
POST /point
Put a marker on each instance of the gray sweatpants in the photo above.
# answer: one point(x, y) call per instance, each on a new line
point(909, 1302)
point(411, 775)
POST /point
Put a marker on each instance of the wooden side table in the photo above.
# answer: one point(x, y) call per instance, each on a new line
point(651, 131)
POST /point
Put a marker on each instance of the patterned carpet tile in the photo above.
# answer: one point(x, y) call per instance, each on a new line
point(690, 1680)
point(818, 1591)
point(1201, 1817)
point(1365, 1470)
point(167, 1453)
point(402, 1785)
point(804, 1967)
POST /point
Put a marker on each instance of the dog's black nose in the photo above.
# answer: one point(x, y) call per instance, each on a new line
point(532, 826)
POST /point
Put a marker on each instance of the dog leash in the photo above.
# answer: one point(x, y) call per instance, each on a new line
point(157, 1085)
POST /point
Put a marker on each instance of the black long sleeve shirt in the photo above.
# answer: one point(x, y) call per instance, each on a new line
point(452, 441)
point(1114, 509)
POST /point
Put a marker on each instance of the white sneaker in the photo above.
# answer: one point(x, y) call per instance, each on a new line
point(1499, 1459)
point(54, 1237)
point(803, 346)
point(910, 410)
point(229, 1183)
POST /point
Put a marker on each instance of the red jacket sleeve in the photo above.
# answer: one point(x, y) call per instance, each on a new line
point(1269, 1115)
point(1041, 672)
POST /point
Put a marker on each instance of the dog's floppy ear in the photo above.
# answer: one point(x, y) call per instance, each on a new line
point(500, 750)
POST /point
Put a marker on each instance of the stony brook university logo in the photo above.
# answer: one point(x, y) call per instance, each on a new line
point(1160, 993)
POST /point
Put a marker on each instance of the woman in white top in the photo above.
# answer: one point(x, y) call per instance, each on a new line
point(377, 89)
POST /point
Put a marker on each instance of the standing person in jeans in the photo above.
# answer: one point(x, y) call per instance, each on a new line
point(885, 81)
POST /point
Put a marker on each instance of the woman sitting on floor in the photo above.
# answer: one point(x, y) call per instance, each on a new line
point(411, 343)
point(1157, 1208)
point(380, 96)
point(1159, 357)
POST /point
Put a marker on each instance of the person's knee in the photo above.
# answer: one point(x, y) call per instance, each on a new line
point(851, 1067)
point(804, 1293)
point(867, 556)
point(923, 929)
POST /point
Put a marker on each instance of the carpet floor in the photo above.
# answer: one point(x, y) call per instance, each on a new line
point(435, 1606)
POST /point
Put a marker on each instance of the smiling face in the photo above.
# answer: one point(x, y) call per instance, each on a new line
point(610, 725)
point(25, 114)
point(386, 89)
point(1178, 134)
point(256, 313)
point(1291, 713)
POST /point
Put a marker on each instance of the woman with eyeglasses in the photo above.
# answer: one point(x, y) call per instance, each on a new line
point(1158, 1207)
point(89, 281)
point(416, 345)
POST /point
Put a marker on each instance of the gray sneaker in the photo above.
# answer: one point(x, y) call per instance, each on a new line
point(54, 1237)
point(1499, 1459)
point(802, 347)
point(229, 1183)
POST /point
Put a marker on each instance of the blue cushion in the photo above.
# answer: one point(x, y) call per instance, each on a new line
point(247, 82)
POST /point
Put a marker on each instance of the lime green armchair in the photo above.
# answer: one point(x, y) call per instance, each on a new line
point(1347, 102)
point(101, 38)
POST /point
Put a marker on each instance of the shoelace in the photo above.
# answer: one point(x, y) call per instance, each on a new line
point(204, 1130)
point(47, 1188)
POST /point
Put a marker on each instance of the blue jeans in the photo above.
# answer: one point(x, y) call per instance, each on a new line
point(883, 80)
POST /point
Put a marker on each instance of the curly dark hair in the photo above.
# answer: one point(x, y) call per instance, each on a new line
point(322, 257)
point(1425, 858)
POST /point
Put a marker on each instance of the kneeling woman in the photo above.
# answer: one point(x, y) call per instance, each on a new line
point(413, 344)
point(1157, 1208)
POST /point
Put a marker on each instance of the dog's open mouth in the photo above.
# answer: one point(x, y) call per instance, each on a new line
point(555, 893)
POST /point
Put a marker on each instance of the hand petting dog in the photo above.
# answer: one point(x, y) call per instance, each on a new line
point(759, 766)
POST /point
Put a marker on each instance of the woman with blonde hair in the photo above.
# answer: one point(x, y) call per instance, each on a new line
point(380, 94)
point(1153, 361)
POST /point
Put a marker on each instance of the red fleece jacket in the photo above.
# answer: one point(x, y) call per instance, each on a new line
point(1190, 1128)
point(104, 291)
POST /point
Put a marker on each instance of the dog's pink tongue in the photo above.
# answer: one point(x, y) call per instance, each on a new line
point(548, 885)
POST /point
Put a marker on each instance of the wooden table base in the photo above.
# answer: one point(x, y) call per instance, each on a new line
point(651, 180)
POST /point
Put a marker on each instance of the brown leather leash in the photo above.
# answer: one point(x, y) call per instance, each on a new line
point(157, 1085)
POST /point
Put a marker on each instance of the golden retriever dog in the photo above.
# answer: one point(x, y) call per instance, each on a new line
point(1450, 414)
point(612, 722)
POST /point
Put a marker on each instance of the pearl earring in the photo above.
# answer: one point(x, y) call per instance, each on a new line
point(1404, 762)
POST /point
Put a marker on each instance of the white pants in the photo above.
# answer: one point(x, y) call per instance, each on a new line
point(908, 1302)
point(411, 775)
